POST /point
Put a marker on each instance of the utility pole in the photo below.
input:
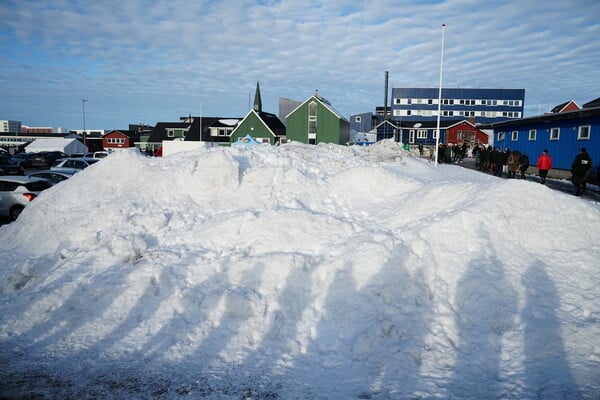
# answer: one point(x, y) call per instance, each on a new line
point(84, 132)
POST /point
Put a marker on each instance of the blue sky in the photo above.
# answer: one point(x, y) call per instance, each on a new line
point(149, 61)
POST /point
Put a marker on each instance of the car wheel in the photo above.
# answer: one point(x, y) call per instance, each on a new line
point(15, 212)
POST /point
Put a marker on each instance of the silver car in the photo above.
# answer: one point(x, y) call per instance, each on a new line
point(73, 164)
point(16, 192)
point(53, 177)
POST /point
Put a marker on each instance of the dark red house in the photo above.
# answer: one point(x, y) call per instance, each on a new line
point(120, 139)
point(466, 132)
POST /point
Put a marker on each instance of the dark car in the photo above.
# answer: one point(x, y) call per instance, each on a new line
point(45, 159)
point(8, 166)
point(23, 159)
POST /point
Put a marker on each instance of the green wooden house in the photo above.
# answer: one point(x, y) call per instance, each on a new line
point(316, 121)
point(262, 126)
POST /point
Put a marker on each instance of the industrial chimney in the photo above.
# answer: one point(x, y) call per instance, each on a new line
point(385, 104)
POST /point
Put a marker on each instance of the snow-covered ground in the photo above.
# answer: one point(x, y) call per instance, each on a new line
point(299, 272)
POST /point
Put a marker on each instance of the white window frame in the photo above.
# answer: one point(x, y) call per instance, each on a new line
point(500, 136)
point(532, 135)
point(422, 134)
point(554, 133)
point(587, 128)
point(514, 136)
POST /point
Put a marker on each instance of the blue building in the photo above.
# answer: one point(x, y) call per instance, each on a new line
point(481, 105)
point(562, 134)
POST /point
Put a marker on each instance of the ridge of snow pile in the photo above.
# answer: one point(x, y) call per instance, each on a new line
point(300, 272)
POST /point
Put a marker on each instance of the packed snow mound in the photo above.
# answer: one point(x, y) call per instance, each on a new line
point(299, 272)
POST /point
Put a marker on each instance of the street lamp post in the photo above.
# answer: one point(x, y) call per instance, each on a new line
point(84, 133)
point(437, 138)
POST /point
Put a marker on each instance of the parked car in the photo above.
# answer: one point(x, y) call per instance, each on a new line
point(97, 154)
point(9, 167)
point(16, 192)
point(53, 177)
point(44, 159)
point(23, 159)
point(73, 163)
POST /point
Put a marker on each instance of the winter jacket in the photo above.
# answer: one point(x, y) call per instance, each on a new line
point(513, 162)
point(582, 165)
point(524, 160)
point(544, 162)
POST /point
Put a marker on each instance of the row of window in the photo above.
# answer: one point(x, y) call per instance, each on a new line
point(465, 102)
point(457, 113)
point(583, 133)
point(115, 140)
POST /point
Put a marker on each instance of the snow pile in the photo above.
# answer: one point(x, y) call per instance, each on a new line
point(299, 272)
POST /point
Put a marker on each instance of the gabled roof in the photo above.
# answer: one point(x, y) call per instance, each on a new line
point(325, 104)
point(465, 121)
point(130, 134)
point(395, 124)
point(271, 121)
point(566, 106)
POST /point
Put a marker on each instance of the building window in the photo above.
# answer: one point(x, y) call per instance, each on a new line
point(435, 133)
point(357, 118)
point(422, 134)
point(459, 135)
point(170, 133)
point(584, 133)
point(514, 136)
point(500, 136)
point(532, 135)
point(312, 118)
point(555, 134)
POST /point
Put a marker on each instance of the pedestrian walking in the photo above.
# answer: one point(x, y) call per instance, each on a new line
point(544, 164)
point(580, 169)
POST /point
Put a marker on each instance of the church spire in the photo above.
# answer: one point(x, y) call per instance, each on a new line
point(257, 99)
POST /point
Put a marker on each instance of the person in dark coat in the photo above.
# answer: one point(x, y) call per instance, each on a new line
point(523, 164)
point(580, 169)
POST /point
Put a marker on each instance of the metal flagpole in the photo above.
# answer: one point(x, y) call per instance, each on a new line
point(437, 138)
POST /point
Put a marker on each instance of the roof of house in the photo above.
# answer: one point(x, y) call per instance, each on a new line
point(125, 132)
point(577, 114)
point(207, 123)
point(324, 102)
point(273, 123)
point(565, 107)
point(159, 133)
point(593, 103)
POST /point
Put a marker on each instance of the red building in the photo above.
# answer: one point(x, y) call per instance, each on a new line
point(120, 139)
point(466, 132)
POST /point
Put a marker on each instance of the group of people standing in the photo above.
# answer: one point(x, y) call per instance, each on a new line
point(497, 162)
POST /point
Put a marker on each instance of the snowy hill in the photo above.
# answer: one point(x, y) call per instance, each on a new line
point(299, 272)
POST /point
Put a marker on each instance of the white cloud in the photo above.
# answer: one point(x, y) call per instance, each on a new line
point(214, 52)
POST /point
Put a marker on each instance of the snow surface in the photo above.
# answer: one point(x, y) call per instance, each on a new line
point(299, 272)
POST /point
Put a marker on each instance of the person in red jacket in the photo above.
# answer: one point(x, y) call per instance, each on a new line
point(544, 164)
